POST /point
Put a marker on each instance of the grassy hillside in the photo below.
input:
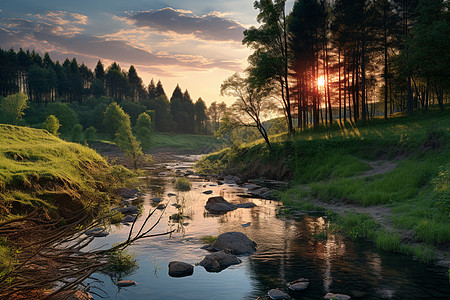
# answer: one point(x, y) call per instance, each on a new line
point(38, 169)
point(402, 164)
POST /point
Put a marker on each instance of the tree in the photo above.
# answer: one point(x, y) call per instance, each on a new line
point(251, 102)
point(115, 118)
point(77, 133)
point(14, 105)
point(428, 47)
point(269, 62)
point(128, 143)
point(90, 134)
point(144, 130)
point(51, 124)
point(200, 116)
point(67, 117)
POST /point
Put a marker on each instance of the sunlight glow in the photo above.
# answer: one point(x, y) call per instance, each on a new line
point(321, 81)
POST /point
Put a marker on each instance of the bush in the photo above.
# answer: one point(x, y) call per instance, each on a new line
point(90, 134)
point(183, 184)
point(51, 124)
point(77, 133)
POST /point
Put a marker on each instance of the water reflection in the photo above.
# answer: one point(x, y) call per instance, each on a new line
point(286, 251)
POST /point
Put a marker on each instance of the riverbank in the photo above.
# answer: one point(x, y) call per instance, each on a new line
point(386, 181)
point(49, 189)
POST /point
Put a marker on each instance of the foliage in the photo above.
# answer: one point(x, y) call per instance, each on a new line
point(128, 143)
point(15, 105)
point(90, 134)
point(120, 263)
point(116, 217)
point(208, 239)
point(77, 133)
point(115, 118)
point(52, 125)
point(183, 184)
point(144, 130)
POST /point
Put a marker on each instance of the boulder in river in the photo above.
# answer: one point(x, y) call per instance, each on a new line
point(96, 232)
point(128, 219)
point(261, 192)
point(276, 294)
point(125, 283)
point(127, 193)
point(128, 210)
point(217, 261)
point(156, 200)
point(246, 205)
point(180, 269)
point(161, 206)
point(299, 284)
point(218, 205)
point(332, 296)
point(235, 242)
point(208, 192)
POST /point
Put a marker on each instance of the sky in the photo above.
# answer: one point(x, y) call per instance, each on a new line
point(193, 43)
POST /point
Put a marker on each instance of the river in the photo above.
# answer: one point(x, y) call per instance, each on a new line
point(288, 249)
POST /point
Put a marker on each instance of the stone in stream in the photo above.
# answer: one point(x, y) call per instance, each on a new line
point(208, 192)
point(235, 242)
point(128, 219)
point(217, 261)
point(127, 193)
point(246, 224)
point(72, 295)
point(156, 200)
point(218, 205)
point(161, 206)
point(180, 269)
point(128, 210)
point(246, 205)
point(96, 232)
point(171, 195)
point(299, 284)
point(332, 296)
point(276, 294)
point(261, 192)
point(125, 283)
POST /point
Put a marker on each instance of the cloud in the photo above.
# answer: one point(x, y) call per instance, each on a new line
point(212, 26)
point(47, 37)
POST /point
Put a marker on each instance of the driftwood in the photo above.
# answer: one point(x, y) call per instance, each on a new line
point(50, 253)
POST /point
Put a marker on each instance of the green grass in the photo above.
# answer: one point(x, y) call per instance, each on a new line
point(328, 164)
point(186, 142)
point(208, 239)
point(35, 165)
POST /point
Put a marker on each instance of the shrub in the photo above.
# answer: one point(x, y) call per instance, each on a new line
point(183, 184)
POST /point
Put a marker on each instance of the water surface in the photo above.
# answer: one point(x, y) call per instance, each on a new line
point(287, 250)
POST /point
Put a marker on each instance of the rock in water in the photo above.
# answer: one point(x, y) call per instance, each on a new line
point(246, 205)
point(276, 294)
point(129, 210)
point(128, 219)
point(217, 261)
point(156, 200)
point(332, 296)
point(218, 205)
point(96, 232)
point(208, 192)
point(125, 283)
point(246, 224)
point(235, 242)
point(180, 269)
point(299, 284)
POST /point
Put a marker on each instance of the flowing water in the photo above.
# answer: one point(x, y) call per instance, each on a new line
point(287, 250)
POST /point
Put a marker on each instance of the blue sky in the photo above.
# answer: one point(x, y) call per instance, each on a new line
point(196, 44)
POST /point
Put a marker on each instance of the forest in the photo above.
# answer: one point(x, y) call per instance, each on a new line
point(344, 60)
point(76, 95)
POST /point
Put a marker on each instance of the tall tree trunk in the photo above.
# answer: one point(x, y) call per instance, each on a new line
point(363, 76)
point(339, 85)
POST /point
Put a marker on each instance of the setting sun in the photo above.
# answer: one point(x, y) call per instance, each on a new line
point(321, 81)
